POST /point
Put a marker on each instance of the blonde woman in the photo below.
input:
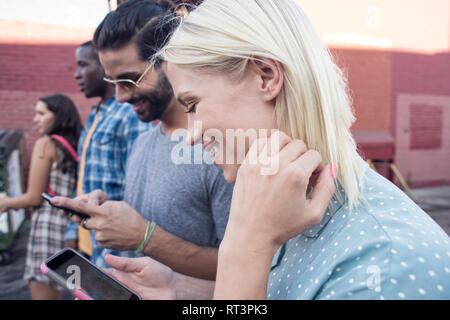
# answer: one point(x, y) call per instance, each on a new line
point(296, 233)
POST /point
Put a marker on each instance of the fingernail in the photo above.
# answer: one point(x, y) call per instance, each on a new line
point(333, 169)
point(56, 201)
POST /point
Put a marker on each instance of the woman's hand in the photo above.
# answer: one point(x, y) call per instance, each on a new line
point(4, 206)
point(150, 279)
point(268, 208)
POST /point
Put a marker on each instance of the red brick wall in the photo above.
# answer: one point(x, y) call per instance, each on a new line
point(37, 67)
point(377, 80)
point(369, 74)
point(39, 62)
point(396, 58)
point(426, 124)
point(38, 59)
point(416, 73)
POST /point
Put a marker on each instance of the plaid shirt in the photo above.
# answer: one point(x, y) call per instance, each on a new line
point(111, 143)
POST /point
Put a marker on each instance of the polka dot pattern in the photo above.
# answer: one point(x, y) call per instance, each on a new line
point(387, 248)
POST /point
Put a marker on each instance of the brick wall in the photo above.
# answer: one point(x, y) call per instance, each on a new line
point(36, 60)
point(369, 74)
point(397, 57)
point(426, 124)
point(394, 61)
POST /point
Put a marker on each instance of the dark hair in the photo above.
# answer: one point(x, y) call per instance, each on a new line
point(155, 35)
point(157, 32)
point(190, 4)
point(90, 45)
point(133, 20)
point(67, 123)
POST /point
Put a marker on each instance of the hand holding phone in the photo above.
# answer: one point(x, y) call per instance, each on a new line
point(70, 213)
point(84, 279)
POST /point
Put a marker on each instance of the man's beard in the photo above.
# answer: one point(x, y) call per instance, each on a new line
point(157, 101)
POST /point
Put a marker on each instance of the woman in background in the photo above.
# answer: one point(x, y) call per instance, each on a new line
point(53, 170)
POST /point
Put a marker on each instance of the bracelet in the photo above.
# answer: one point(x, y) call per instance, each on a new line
point(148, 234)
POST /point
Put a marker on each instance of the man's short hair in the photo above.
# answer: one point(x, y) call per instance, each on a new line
point(136, 20)
point(90, 45)
point(87, 44)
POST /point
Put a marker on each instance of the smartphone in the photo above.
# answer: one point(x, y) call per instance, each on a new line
point(70, 213)
point(84, 279)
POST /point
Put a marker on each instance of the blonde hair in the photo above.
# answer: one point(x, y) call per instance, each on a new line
point(313, 106)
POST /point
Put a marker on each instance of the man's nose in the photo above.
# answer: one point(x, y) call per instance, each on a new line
point(77, 74)
point(122, 95)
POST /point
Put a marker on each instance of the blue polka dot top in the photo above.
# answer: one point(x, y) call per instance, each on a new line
point(386, 248)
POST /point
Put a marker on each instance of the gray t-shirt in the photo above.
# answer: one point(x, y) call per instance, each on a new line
point(191, 201)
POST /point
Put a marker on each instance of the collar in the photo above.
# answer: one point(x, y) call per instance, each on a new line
point(105, 106)
point(278, 256)
point(336, 203)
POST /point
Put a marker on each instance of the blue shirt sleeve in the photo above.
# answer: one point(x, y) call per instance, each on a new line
point(71, 231)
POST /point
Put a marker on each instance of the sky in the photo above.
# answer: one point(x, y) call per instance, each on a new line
point(70, 13)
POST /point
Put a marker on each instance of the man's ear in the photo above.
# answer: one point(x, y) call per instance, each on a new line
point(270, 77)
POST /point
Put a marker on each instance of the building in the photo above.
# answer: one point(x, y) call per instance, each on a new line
point(396, 55)
point(397, 58)
point(37, 57)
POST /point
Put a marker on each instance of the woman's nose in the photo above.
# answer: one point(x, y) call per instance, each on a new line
point(194, 133)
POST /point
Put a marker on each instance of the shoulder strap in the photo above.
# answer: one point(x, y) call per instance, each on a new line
point(66, 144)
point(50, 191)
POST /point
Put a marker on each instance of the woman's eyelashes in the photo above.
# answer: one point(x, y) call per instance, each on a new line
point(192, 108)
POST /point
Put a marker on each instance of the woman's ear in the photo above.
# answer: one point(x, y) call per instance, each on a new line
point(270, 77)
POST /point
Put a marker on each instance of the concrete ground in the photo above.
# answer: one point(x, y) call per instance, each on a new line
point(435, 201)
point(12, 286)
